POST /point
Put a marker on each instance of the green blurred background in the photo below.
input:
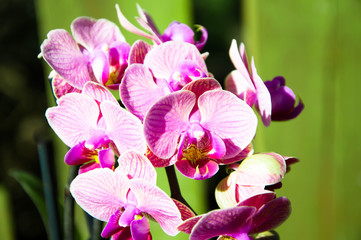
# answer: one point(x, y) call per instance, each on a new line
point(313, 43)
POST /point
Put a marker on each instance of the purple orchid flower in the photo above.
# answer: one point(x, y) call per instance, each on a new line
point(283, 100)
point(166, 68)
point(246, 83)
point(200, 127)
point(250, 178)
point(95, 127)
point(60, 86)
point(174, 32)
point(254, 215)
point(98, 53)
point(125, 197)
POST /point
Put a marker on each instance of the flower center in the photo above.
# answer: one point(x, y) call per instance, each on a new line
point(194, 154)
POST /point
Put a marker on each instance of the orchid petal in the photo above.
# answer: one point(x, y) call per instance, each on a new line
point(60, 86)
point(271, 215)
point(153, 201)
point(138, 52)
point(136, 165)
point(246, 152)
point(98, 92)
point(160, 162)
point(258, 200)
point(62, 53)
point(185, 211)
point(239, 60)
point(264, 104)
point(202, 170)
point(166, 120)
point(123, 234)
point(140, 229)
point(100, 65)
point(188, 224)
point(261, 169)
point(202, 85)
point(130, 27)
point(238, 85)
point(88, 167)
point(225, 192)
point(74, 119)
point(164, 59)
point(112, 226)
point(106, 158)
point(232, 119)
point(138, 91)
point(123, 128)
point(100, 192)
point(79, 154)
point(222, 222)
point(91, 33)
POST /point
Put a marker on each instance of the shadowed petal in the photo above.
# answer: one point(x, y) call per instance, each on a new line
point(271, 215)
point(138, 52)
point(100, 192)
point(74, 119)
point(188, 224)
point(136, 165)
point(62, 53)
point(123, 128)
point(185, 212)
point(229, 118)
point(223, 222)
point(166, 120)
point(153, 201)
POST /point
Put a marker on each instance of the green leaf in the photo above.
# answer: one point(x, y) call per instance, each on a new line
point(34, 188)
point(268, 235)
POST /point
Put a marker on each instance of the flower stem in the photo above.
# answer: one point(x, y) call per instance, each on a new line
point(175, 191)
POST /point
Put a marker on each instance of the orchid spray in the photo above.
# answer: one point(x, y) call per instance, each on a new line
point(170, 112)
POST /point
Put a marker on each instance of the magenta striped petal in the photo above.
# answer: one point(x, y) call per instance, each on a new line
point(229, 118)
point(188, 224)
point(138, 91)
point(231, 221)
point(100, 192)
point(74, 119)
point(60, 86)
point(91, 33)
point(153, 201)
point(123, 128)
point(138, 52)
point(98, 92)
point(62, 53)
point(199, 86)
point(164, 59)
point(136, 165)
point(166, 120)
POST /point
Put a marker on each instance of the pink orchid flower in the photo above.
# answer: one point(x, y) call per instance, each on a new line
point(176, 31)
point(166, 68)
point(201, 127)
point(247, 85)
point(95, 127)
point(98, 53)
point(250, 178)
point(125, 197)
point(254, 215)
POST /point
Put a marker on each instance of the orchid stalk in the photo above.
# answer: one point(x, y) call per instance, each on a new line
point(170, 112)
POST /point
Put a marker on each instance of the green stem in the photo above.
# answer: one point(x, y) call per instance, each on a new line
point(175, 191)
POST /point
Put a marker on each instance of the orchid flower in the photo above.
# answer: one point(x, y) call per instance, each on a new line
point(250, 178)
point(166, 68)
point(60, 86)
point(174, 32)
point(247, 85)
point(200, 126)
point(98, 53)
point(95, 127)
point(254, 215)
point(125, 197)
point(283, 100)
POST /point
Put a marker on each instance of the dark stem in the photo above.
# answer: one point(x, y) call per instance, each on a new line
point(45, 150)
point(96, 229)
point(175, 191)
point(69, 206)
